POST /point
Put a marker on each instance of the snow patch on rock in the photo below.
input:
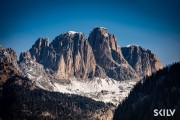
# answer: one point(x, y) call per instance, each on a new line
point(132, 45)
point(74, 32)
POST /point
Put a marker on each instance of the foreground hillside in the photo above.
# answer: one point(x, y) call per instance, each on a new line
point(20, 99)
point(159, 91)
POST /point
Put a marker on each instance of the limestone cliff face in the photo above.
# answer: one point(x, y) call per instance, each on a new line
point(108, 55)
point(69, 54)
point(143, 61)
point(76, 55)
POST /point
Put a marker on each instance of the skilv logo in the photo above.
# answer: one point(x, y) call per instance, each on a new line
point(164, 112)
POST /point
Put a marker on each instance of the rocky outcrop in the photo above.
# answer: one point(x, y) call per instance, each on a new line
point(143, 61)
point(8, 55)
point(105, 114)
point(108, 55)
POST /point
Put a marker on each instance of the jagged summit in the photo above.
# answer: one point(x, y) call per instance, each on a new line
point(42, 42)
point(143, 61)
point(100, 30)
point(67, 55)
point(97, 27)
point(135, 46)
point(70, 36)
point(74, 32)
point(132, 45)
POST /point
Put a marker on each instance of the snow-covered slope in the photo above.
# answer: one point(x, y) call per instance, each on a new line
point(35, 72)
point(106, 90)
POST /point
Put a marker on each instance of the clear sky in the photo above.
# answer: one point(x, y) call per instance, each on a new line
point(153, 24)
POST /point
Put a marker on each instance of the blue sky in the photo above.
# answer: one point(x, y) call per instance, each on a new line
point(153, 24)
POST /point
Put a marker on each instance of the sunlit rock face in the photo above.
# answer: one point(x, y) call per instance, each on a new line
point(108, 55)
point(69, 54)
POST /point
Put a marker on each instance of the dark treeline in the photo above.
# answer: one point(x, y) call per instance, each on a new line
point(22, 100)
point(161, 90)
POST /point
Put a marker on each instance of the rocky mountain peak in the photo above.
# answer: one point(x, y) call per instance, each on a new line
point(100, 30)
point(39, 49)
point(69, 54)
point(41, 43)
point(143, 61)
point(74, 32)
point(71, 35)
point(26, 56)
point(101, 37)
point(108, 54)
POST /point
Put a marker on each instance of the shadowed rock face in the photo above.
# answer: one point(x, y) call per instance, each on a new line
point(143, 61)
point(108, 55)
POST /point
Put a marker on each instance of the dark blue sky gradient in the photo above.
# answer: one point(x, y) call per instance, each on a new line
point(153, 24)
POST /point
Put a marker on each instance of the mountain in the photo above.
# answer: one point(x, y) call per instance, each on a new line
point(159, 91)
point(69, 78)
point(71, 54)
point(93, 67)
point(143, 61)
point(76, 65)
